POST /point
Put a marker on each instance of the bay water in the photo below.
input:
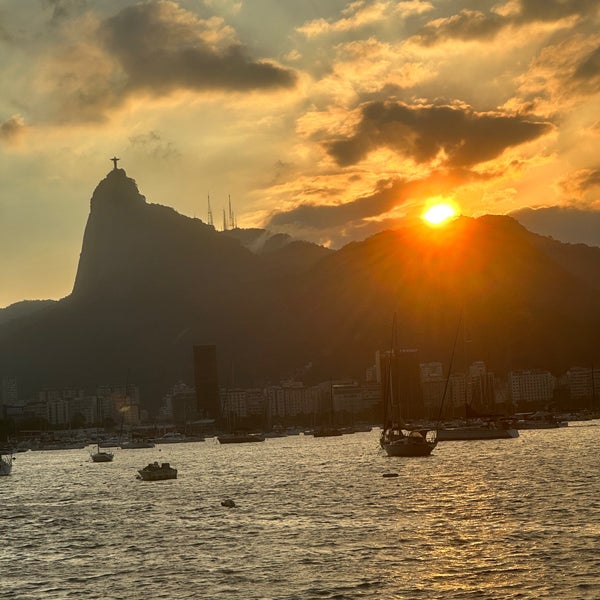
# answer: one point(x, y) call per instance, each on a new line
point(315, 518)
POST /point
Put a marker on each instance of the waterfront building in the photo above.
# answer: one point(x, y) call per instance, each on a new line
point(289, 400)
point(531, 389)
point(583, 382)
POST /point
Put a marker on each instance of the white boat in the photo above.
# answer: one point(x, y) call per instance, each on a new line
point(490, 431)
point(539, 420)
point(6, 462)
point(156, 472)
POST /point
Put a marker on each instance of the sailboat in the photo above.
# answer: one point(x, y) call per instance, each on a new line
point(396, 439)
point(102, 455)
point(490, 429)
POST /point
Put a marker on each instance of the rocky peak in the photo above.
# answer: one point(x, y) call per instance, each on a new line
point(117, 190)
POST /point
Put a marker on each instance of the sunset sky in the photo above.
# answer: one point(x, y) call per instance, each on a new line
point(325, 119)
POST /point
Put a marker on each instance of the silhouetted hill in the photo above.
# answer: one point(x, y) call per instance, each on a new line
point(151, 283)
point(23, 309)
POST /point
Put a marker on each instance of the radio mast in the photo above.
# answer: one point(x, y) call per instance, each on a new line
point(210, 215)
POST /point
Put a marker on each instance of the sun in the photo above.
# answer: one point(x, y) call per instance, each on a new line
point(439, 213)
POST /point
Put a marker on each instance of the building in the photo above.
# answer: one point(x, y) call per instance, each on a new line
point(184, 407)
point(584, 383)
point(531, 389)
point(206, 380)
point(290, 400)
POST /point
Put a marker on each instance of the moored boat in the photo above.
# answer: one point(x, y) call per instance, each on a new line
point(156, 472)
point(102, 456)
point(327, 432)
point(490, 431)
point(396, 438)
point(539, 420)
point(403, 442)
point(240, 438)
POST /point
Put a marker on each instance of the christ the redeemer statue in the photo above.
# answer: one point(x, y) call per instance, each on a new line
point(115, 160)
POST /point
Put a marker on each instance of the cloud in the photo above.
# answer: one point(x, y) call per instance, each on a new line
point(62, 9)
point(388, 195)
point(581, 182)
point(477, 25)
point(589, 67)
point(12, 130)
point(456, 136)
point(359, 15)
point(564, 223)
point(162, 47)
point(152, 144)
point(147, 50)
point(466, 25)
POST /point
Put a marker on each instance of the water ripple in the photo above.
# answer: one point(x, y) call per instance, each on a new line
point(504, 519)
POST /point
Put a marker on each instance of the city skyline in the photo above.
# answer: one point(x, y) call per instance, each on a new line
point(329, 121)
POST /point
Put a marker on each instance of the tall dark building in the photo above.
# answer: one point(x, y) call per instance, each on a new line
point(409, 384)
point(207, 381)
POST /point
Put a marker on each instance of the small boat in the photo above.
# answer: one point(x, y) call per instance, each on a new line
point(175, 437)
point(327, 432)
point(484, 431)
point(156, 472)
point(6, 462)
point(539, 420)
point(240, 438)
point(136, 444)
point(405, 442)
point(102, 456)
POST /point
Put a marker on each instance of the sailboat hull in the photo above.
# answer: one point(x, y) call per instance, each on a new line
point(402, 448)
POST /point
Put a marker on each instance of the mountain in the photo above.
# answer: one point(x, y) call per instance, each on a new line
point(23, 309)
point(151, 283)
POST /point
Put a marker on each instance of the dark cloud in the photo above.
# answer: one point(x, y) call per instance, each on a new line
point(474, 24)
point(554, 10)
point(589, 67)
point(581, 181)
point(389, 194)
point(12, 129)
point(566, 224)
point(422, 132)
point(162, 47)
point(466, 25)
point(62, 9)
point(154, 145)
point(323, 216)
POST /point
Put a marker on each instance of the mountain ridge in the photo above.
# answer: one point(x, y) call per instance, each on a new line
point(151, 283)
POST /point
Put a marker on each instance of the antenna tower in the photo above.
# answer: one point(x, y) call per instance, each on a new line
point(232, 223)
point(210, 215)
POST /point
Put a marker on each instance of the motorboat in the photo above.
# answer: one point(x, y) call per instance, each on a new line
point(156, 472)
